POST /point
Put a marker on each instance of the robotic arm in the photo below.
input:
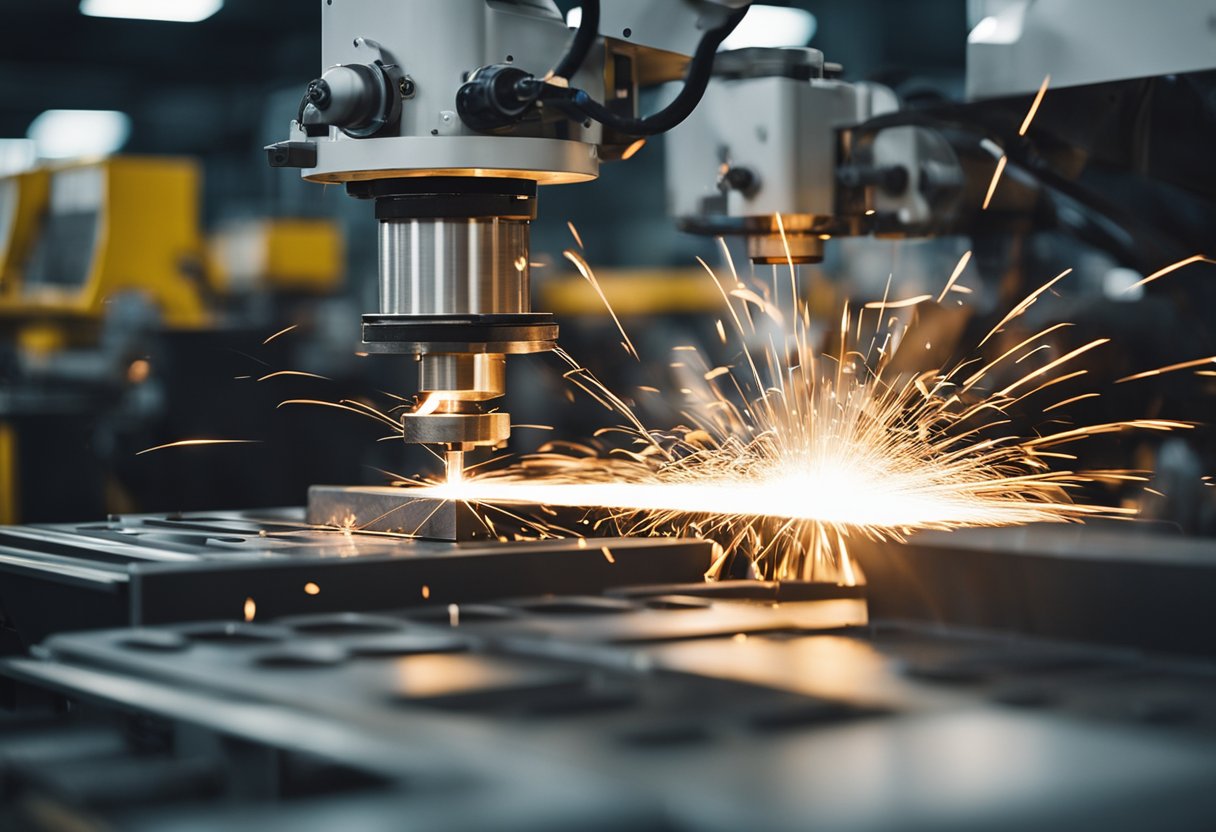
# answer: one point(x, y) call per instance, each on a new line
point(448, 114)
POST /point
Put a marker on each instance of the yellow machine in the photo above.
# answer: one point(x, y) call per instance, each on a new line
point(277, 255)
point(76, 235)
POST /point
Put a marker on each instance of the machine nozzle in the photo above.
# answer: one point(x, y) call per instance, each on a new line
point(454, 462)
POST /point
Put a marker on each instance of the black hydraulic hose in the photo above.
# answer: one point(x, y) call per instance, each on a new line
point(699, 71)
point(584, 37)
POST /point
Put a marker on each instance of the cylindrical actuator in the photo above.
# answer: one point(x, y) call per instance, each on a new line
point(476, 265)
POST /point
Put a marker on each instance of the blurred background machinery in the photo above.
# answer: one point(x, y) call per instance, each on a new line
point(116, 310)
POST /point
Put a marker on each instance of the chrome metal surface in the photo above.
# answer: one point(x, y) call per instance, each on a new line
point(463, 377)
point(449, 266)
point(417, 347)
point(774, 248)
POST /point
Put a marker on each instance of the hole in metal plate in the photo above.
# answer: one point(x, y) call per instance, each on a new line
point(409, 644)
point(465, 613)
point(155, 641)
point(575, 605)
point(303, 656)
point(232, 633)
point(341, 624)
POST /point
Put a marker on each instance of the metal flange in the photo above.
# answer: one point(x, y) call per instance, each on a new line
point(456, 428)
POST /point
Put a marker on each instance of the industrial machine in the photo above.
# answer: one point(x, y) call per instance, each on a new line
point(771, 144)
point(315, 668)
point(112, 307)
point(88, 264)
point(450, 127)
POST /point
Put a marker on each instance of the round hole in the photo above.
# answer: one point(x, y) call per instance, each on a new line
point(676, 602)
point(303, 656)
point(409, 645)
point(341, 624)
point(575, 605)
point(155, 641)
point(628, 32)
point(510, 59)
point(465, 613)
point(233, 634)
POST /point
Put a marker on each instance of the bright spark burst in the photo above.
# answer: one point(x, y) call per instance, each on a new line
point(798, 451)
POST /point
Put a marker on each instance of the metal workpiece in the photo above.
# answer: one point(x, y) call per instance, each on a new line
point(405, 510)
point(454, 266)
point(1148, 589)
point(148, 569)
point(395, 510)
point(660, 707)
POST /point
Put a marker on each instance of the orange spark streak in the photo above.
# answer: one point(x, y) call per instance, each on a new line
point(1182, 365)
point(1172, 267)
point(1072, 400)
point(1034, 106)
point(299, 373)
point(996, 177)
point(955, 275)
point(898, 304)
point(1025, 304)
point(585, 270)
point(185, 443)
point(574, 233)
point(629, 153)
point(282, 331)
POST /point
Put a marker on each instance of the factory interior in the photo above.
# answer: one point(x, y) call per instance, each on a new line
point(667, 415)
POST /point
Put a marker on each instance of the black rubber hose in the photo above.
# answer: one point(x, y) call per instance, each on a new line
point(584, 37)
point(699, 72)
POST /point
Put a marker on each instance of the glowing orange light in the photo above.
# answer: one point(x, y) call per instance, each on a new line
point(139, 371)
point(632, 149)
